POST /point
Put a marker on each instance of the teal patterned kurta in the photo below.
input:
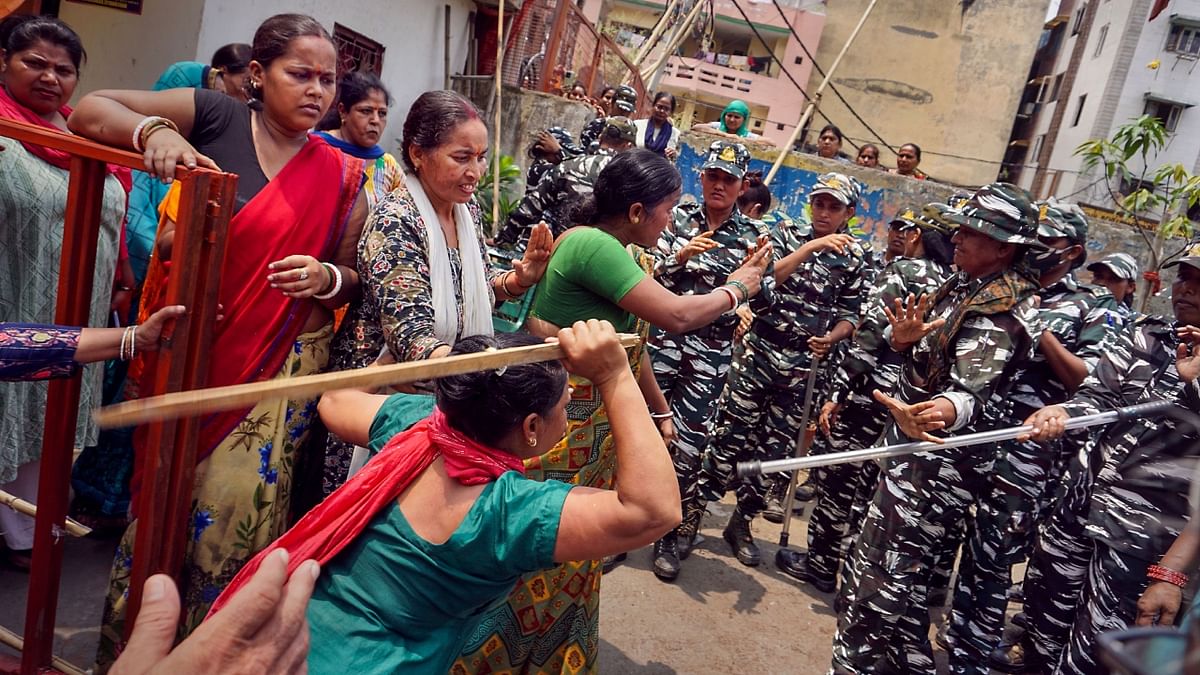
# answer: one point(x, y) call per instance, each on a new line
point(33, 201)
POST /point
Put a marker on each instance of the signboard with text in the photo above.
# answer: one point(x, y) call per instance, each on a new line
point(132, 6)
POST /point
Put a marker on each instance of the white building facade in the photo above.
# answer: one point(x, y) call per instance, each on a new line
point(130, 51)
point(1129, 67)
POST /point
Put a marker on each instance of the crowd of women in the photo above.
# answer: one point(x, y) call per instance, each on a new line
point(460, 524)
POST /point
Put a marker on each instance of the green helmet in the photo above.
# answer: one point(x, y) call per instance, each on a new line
point(1003, 212)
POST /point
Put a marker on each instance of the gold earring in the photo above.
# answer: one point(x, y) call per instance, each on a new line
point(531, 441)
point(635, 221)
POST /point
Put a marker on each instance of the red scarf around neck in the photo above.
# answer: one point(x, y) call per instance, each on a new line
point(11, 109)
point(338, 520)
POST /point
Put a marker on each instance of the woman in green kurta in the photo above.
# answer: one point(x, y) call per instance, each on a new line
point(596, 271)
point(441, 523)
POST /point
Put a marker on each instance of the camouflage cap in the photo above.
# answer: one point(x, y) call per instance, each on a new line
point(560, 134)
point(1003, 212)
point(1059, 219)
point(1123, 265)
point(908, 217)
point(933, 217)
point(623, 127)
point(626, 99)
point(845, 189)
point(728, 156)
point(1189, 260)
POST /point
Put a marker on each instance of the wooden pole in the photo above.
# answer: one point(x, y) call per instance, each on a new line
point(74, 528)
point(648, 45)
point(673, 43)
point(496, 224)
point(203, 401)
point(446, 52)
point(808, 110)
point(13, 640)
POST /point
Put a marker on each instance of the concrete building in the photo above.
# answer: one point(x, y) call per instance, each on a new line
point(710, 69)
point(1115, 66)
point(946, 75)
point(403, 40)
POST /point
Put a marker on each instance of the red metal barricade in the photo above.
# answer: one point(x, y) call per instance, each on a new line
point(205, 208)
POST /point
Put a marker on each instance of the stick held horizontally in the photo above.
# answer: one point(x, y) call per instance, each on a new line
point(215, 399)
point(746, 469)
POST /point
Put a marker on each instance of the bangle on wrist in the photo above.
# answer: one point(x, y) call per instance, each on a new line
point(335, 274)
point(741, 288)
point(149, 125)
point(661, 415)
point(504, 285)
point(733, 299)
point(1160, 573)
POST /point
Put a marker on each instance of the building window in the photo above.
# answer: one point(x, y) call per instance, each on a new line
point(1184, 39)
point(1079, 110)
point(1167, 113)
point(1077, 21)
point(1057, 87)
point(357, 52)
point(1037, 149)
point(1100, 40)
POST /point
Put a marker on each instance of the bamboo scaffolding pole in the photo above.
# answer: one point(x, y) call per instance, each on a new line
point(680, 33)
point(648, 45)
point(215, 399)
point(13, 640)
point(19, 505)
point(496, 224)
point(816, 100)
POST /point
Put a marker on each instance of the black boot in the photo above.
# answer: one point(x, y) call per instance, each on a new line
point(795, 564)
point(1009, 658)
point(740, 539)
point(773, 512)
point(666, 557)
point(806, 490)
point(689, 530)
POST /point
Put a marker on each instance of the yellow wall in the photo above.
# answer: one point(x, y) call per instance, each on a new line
point(933, 74)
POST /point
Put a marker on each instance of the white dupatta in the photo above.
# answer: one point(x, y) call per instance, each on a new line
point(477, 300)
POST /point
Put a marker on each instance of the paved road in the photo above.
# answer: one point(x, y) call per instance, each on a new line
point(718, 617)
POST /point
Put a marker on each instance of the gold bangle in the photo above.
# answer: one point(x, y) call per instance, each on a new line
point(504, 285)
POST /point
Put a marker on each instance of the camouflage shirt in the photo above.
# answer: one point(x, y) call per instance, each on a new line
point(825, 288)
point(870, 362)
point(704, 272)
point(560, 188)
point(1139, 498)
point(988, 351)
point(1082, 317)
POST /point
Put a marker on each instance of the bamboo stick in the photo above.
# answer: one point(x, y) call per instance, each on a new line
point(215, 399)
point(13, 640)
point(21, 506)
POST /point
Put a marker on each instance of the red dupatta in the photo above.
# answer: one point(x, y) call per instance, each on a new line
point(336, 522)
point(299, 212)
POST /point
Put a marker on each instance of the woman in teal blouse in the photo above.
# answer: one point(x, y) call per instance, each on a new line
point(441, 524)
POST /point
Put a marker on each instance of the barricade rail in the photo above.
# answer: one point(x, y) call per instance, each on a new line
point(168, 465)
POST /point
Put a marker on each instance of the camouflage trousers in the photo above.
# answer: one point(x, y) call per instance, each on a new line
point(1114, 582)
point(1002, 534)
point(843, 491)
point(883, 608)
point(691, 372)
point(759, 418)
point(1058, 569)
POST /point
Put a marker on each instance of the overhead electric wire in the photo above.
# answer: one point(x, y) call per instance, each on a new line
point(832, 86)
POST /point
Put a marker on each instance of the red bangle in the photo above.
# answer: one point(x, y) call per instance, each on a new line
point(1160, 573)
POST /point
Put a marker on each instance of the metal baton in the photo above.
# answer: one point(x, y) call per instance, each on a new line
point(754, 468)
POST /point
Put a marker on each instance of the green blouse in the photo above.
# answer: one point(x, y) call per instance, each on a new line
point(394, 602)
point(588, 274)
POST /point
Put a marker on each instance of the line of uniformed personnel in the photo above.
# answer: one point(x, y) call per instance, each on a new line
point(972, 318)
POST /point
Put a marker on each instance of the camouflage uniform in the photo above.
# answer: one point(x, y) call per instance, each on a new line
point(971, 360)
point(562, 187)
point(1021, 487)
point(539, 166)
point(1132, 504)
point(870, 364)
point(762, 403)
point(559, 189)
point(1016, 497)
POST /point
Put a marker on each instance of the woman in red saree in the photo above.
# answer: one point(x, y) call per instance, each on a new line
point(289, 260)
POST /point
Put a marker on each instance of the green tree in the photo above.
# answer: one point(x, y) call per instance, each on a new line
point(1145, 194)
point(510, 176)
